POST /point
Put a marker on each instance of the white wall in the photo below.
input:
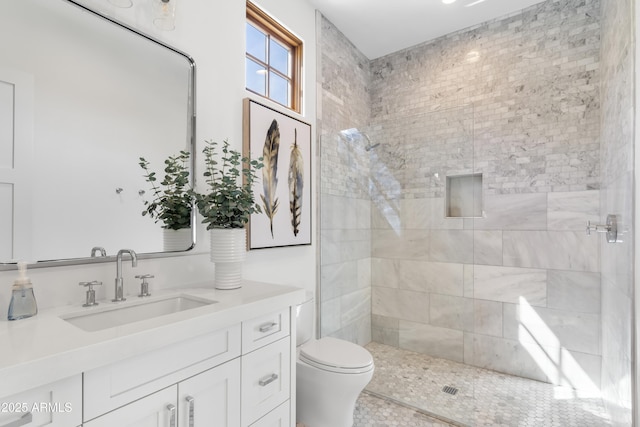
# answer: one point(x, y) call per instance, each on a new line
point(213, 34)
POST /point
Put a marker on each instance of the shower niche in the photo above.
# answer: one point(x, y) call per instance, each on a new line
point(464, 196)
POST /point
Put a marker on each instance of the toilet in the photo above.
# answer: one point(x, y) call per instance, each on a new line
point(331, 373)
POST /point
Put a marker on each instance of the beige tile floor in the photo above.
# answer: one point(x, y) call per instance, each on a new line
point(484, 398)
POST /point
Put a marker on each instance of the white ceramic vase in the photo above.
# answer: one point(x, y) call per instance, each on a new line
point(176, 240)
point(228, 252)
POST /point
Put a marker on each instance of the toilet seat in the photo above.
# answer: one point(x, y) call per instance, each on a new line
point(335, 355)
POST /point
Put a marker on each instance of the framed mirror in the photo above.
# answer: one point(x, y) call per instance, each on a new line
point(82, 98)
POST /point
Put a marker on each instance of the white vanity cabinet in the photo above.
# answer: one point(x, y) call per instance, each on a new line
point(266, 370)
point(241, 375)
point(58, 404)
point(116, 385)
point(211, 398)
point(151, 411)
point(279, 417)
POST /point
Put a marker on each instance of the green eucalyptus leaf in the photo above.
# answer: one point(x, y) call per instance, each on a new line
point(173, 198)
point(228, 203)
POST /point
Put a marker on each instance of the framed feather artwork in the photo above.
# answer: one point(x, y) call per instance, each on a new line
point(283, 185)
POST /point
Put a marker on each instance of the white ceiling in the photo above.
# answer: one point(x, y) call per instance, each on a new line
point(380, 27)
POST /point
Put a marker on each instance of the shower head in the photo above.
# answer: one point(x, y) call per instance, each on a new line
point(369, 146)
point(349, 134)
point(352, 135)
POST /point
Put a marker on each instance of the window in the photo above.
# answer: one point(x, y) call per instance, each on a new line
point(273, 59)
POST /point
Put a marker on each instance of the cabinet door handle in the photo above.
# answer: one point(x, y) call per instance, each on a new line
point(23, 421)
point(172, 415)
point(267, 326)
point(192, 409)
point(268, 380)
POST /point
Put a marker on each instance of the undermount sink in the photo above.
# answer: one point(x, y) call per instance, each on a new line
point(134, 312)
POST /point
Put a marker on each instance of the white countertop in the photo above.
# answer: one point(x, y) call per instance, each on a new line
point(46, 348)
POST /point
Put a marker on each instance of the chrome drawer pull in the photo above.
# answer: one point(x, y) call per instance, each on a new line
point(23, 421)
point(267, 326)
point(172, 415)
point(192, 404)
point(268, 380)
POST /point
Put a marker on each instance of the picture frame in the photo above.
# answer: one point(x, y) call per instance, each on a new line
point(283, 185)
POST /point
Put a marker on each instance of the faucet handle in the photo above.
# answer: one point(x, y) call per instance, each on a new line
point(144, 286)
point(90, 300)
point(98, 249)
point(91, 284)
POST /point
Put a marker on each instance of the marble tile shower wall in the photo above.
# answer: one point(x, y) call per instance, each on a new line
point(345, 226)
point(521, 296)
point(532, 79)
point(517, 290)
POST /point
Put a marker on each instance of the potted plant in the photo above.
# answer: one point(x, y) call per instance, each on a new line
point(226, 208)
point(172, 200)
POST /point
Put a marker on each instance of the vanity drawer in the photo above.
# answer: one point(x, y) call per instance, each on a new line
point(151, 411)
point(58, 404)
point(266, 380)
point(279, 417)
point(264, 330)
point(115, 385)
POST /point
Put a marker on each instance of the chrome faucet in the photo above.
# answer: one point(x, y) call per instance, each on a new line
point(119, 281)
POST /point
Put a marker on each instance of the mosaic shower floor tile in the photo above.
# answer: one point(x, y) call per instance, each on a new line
point(373, 411)
point(471, 396)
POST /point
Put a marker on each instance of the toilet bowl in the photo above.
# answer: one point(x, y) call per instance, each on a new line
point(330, 375)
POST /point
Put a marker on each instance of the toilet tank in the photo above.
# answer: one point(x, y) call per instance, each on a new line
point(304, 319)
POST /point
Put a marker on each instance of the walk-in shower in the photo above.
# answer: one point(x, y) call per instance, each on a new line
point(458, 244)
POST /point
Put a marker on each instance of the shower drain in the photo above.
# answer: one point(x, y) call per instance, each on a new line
point(450, 390)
